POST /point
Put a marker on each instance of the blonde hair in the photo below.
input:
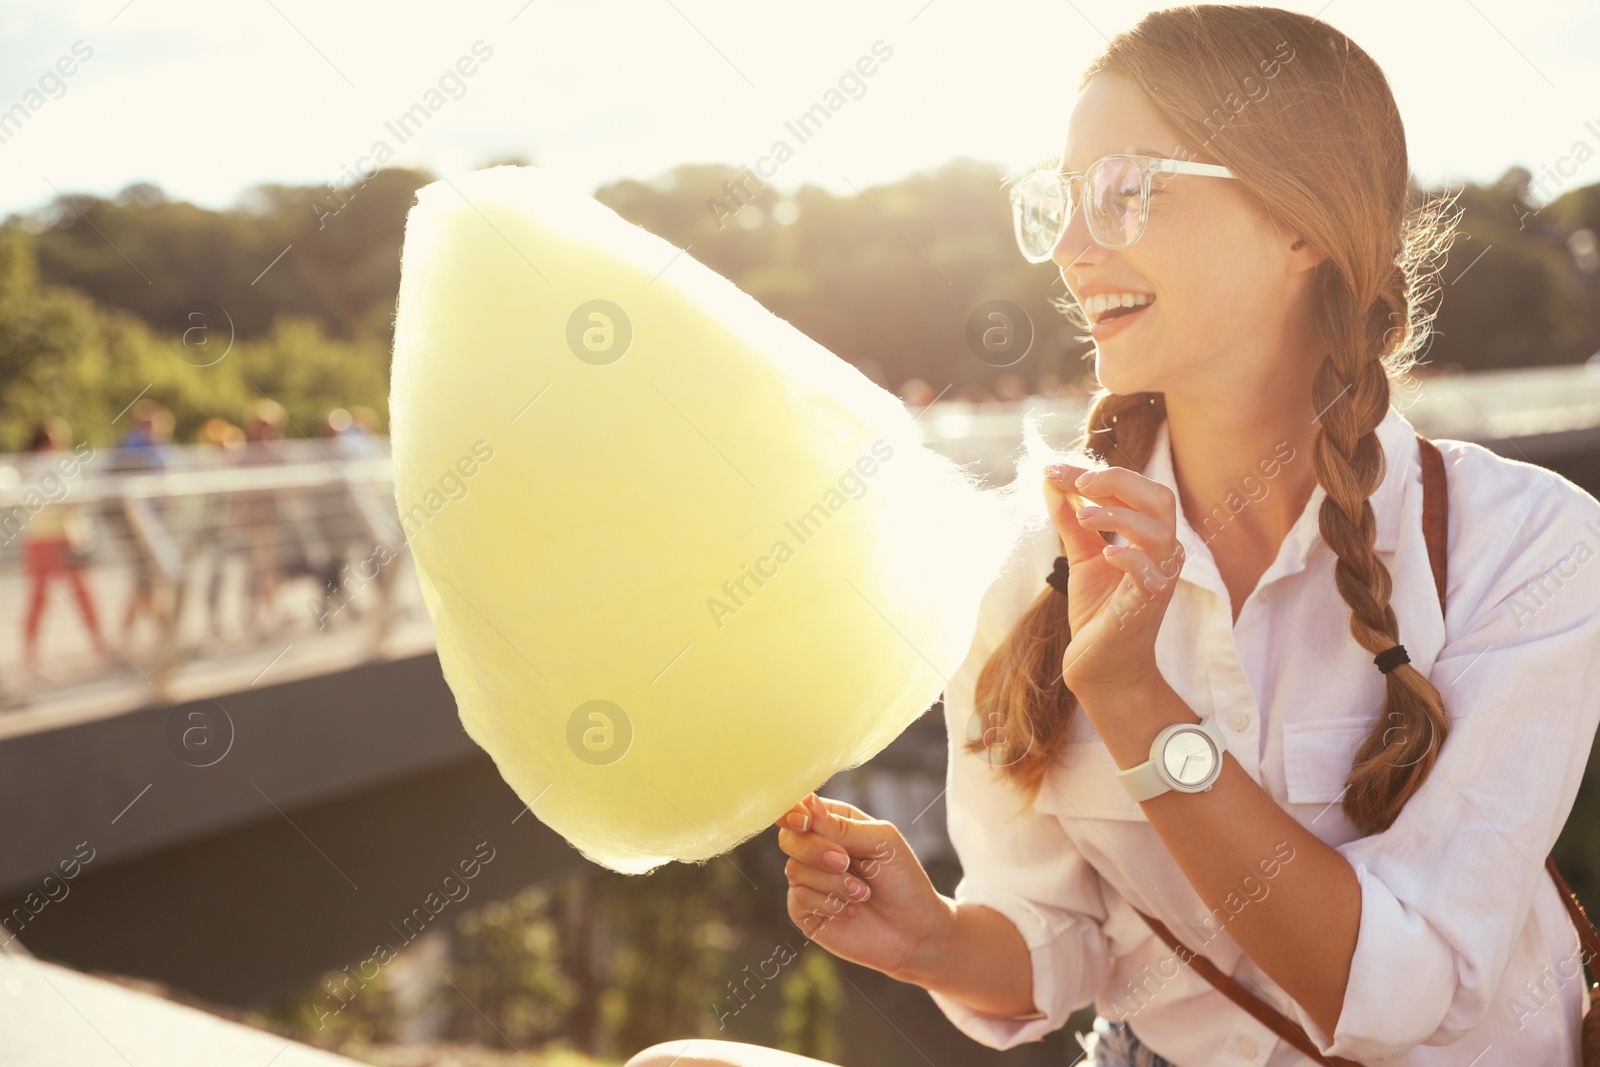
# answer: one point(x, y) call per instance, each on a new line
point(1323, 150)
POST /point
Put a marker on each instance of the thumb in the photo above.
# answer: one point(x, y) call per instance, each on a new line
point(1062, 501)
point(854, 835)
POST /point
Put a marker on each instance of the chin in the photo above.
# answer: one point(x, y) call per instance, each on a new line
point(1119, 372)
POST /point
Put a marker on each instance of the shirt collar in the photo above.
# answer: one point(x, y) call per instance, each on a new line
point(1402, 467)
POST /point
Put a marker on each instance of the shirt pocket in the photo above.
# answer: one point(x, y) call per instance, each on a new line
point(1082, 783)
point(1317, 756)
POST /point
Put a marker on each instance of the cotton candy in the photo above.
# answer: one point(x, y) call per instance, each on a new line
point(683, 563)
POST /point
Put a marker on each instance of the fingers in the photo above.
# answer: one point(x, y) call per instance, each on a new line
point(1113, 500)
point(1064, 476)
point(837, 843)
point(1078, 543)
point(805, 812)
point(819, 888)
point(838, 807)
point(814, 850)
point(796, 818)
point(845, 885)
point(1135, 562)
point(810, 910)
point(1141, 530)
point(798, 836)
point(846, 826)
point(1149, 577)
point(1118, 485)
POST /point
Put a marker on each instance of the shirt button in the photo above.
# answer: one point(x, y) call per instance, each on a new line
point(1239, 721)
point(1247, 1048)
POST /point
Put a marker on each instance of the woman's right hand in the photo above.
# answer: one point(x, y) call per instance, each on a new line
point(881, 911)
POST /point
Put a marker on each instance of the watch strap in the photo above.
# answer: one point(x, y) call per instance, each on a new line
point(1144, 781)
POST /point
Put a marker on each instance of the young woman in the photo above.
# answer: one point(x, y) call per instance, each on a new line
point(1354, 831)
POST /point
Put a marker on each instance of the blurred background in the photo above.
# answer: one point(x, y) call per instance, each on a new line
point(232, 776)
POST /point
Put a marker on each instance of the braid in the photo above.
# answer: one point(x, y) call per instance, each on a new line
point(1352, 392)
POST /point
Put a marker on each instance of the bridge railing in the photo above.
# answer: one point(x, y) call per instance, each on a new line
point(222, 554)
point(133, 563)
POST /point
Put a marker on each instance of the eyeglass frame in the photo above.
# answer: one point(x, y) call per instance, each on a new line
point(1148, 166)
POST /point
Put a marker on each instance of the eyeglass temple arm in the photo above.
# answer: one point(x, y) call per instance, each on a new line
point(1180, 166)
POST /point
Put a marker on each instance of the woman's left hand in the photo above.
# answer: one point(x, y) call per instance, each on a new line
point(1117, 595)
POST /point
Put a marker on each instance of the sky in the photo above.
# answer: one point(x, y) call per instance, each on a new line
point(207, 99)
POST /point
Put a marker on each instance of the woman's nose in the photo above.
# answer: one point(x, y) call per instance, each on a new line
point(1075, 245)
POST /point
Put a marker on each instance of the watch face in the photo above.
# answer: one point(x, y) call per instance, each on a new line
point(1189, 757)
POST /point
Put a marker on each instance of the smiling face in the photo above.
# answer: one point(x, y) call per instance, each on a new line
point(1229, 295)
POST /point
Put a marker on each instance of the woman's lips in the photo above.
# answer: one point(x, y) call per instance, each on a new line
point(1107, 328)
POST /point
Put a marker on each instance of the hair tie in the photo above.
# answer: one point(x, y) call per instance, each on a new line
point(1390, 658)
point(1057, 579)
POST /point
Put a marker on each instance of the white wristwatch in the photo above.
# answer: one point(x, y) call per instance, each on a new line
point(1186, 756)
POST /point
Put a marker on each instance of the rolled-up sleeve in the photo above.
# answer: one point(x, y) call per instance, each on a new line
point(1018, 861)
point(1447, 889)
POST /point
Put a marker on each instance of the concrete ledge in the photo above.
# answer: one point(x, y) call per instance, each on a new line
point(54, 1017)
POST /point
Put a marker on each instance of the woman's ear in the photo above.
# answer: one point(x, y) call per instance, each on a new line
point(1302, 256)
point(1281, 238)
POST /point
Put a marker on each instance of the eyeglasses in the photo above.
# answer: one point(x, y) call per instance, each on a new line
point(1116, 207)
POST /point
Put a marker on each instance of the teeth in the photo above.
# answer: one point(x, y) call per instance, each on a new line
point(1096, 306)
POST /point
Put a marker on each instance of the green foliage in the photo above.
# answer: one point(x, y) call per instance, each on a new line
point(886, 279)
point(1511, 294)
point(601, 962)
point(60, 354)
point(151, 256)
point(673, 932)
point(812, 997)
point(338, 1008)
point(506, 962)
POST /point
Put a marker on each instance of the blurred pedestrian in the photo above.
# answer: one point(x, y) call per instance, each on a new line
point(916, 393)
point(1009, 388)
point(221, 522)
point(256, 511)
point(364, 420)
point(338, 524)
point(976, 394)
point(143, 450)
point(55, 542)
point(220, 433)
point(1050, 386)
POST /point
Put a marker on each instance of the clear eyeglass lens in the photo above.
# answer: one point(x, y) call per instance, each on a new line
point(1114, 201)
point(1043, 201)
point(1039, 205)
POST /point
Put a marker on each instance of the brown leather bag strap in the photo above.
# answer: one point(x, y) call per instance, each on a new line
point(1580, 919)
point(1435, 529)
point(1435, 512)
point(1263, 1012)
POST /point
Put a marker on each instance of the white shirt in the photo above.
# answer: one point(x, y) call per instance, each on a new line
point(1464, 943)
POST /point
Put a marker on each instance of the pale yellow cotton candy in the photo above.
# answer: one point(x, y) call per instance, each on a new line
point(674, 590)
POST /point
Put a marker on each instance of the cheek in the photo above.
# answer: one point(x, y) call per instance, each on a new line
point(1213, 280)
point(1179, 257)
point(1191, 294)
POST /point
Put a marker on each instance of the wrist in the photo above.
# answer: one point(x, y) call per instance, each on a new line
point(1129, 717)
point(931, 948)
point(1138, 698)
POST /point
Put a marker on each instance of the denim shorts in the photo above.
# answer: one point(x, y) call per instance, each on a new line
point(1112, 1044)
